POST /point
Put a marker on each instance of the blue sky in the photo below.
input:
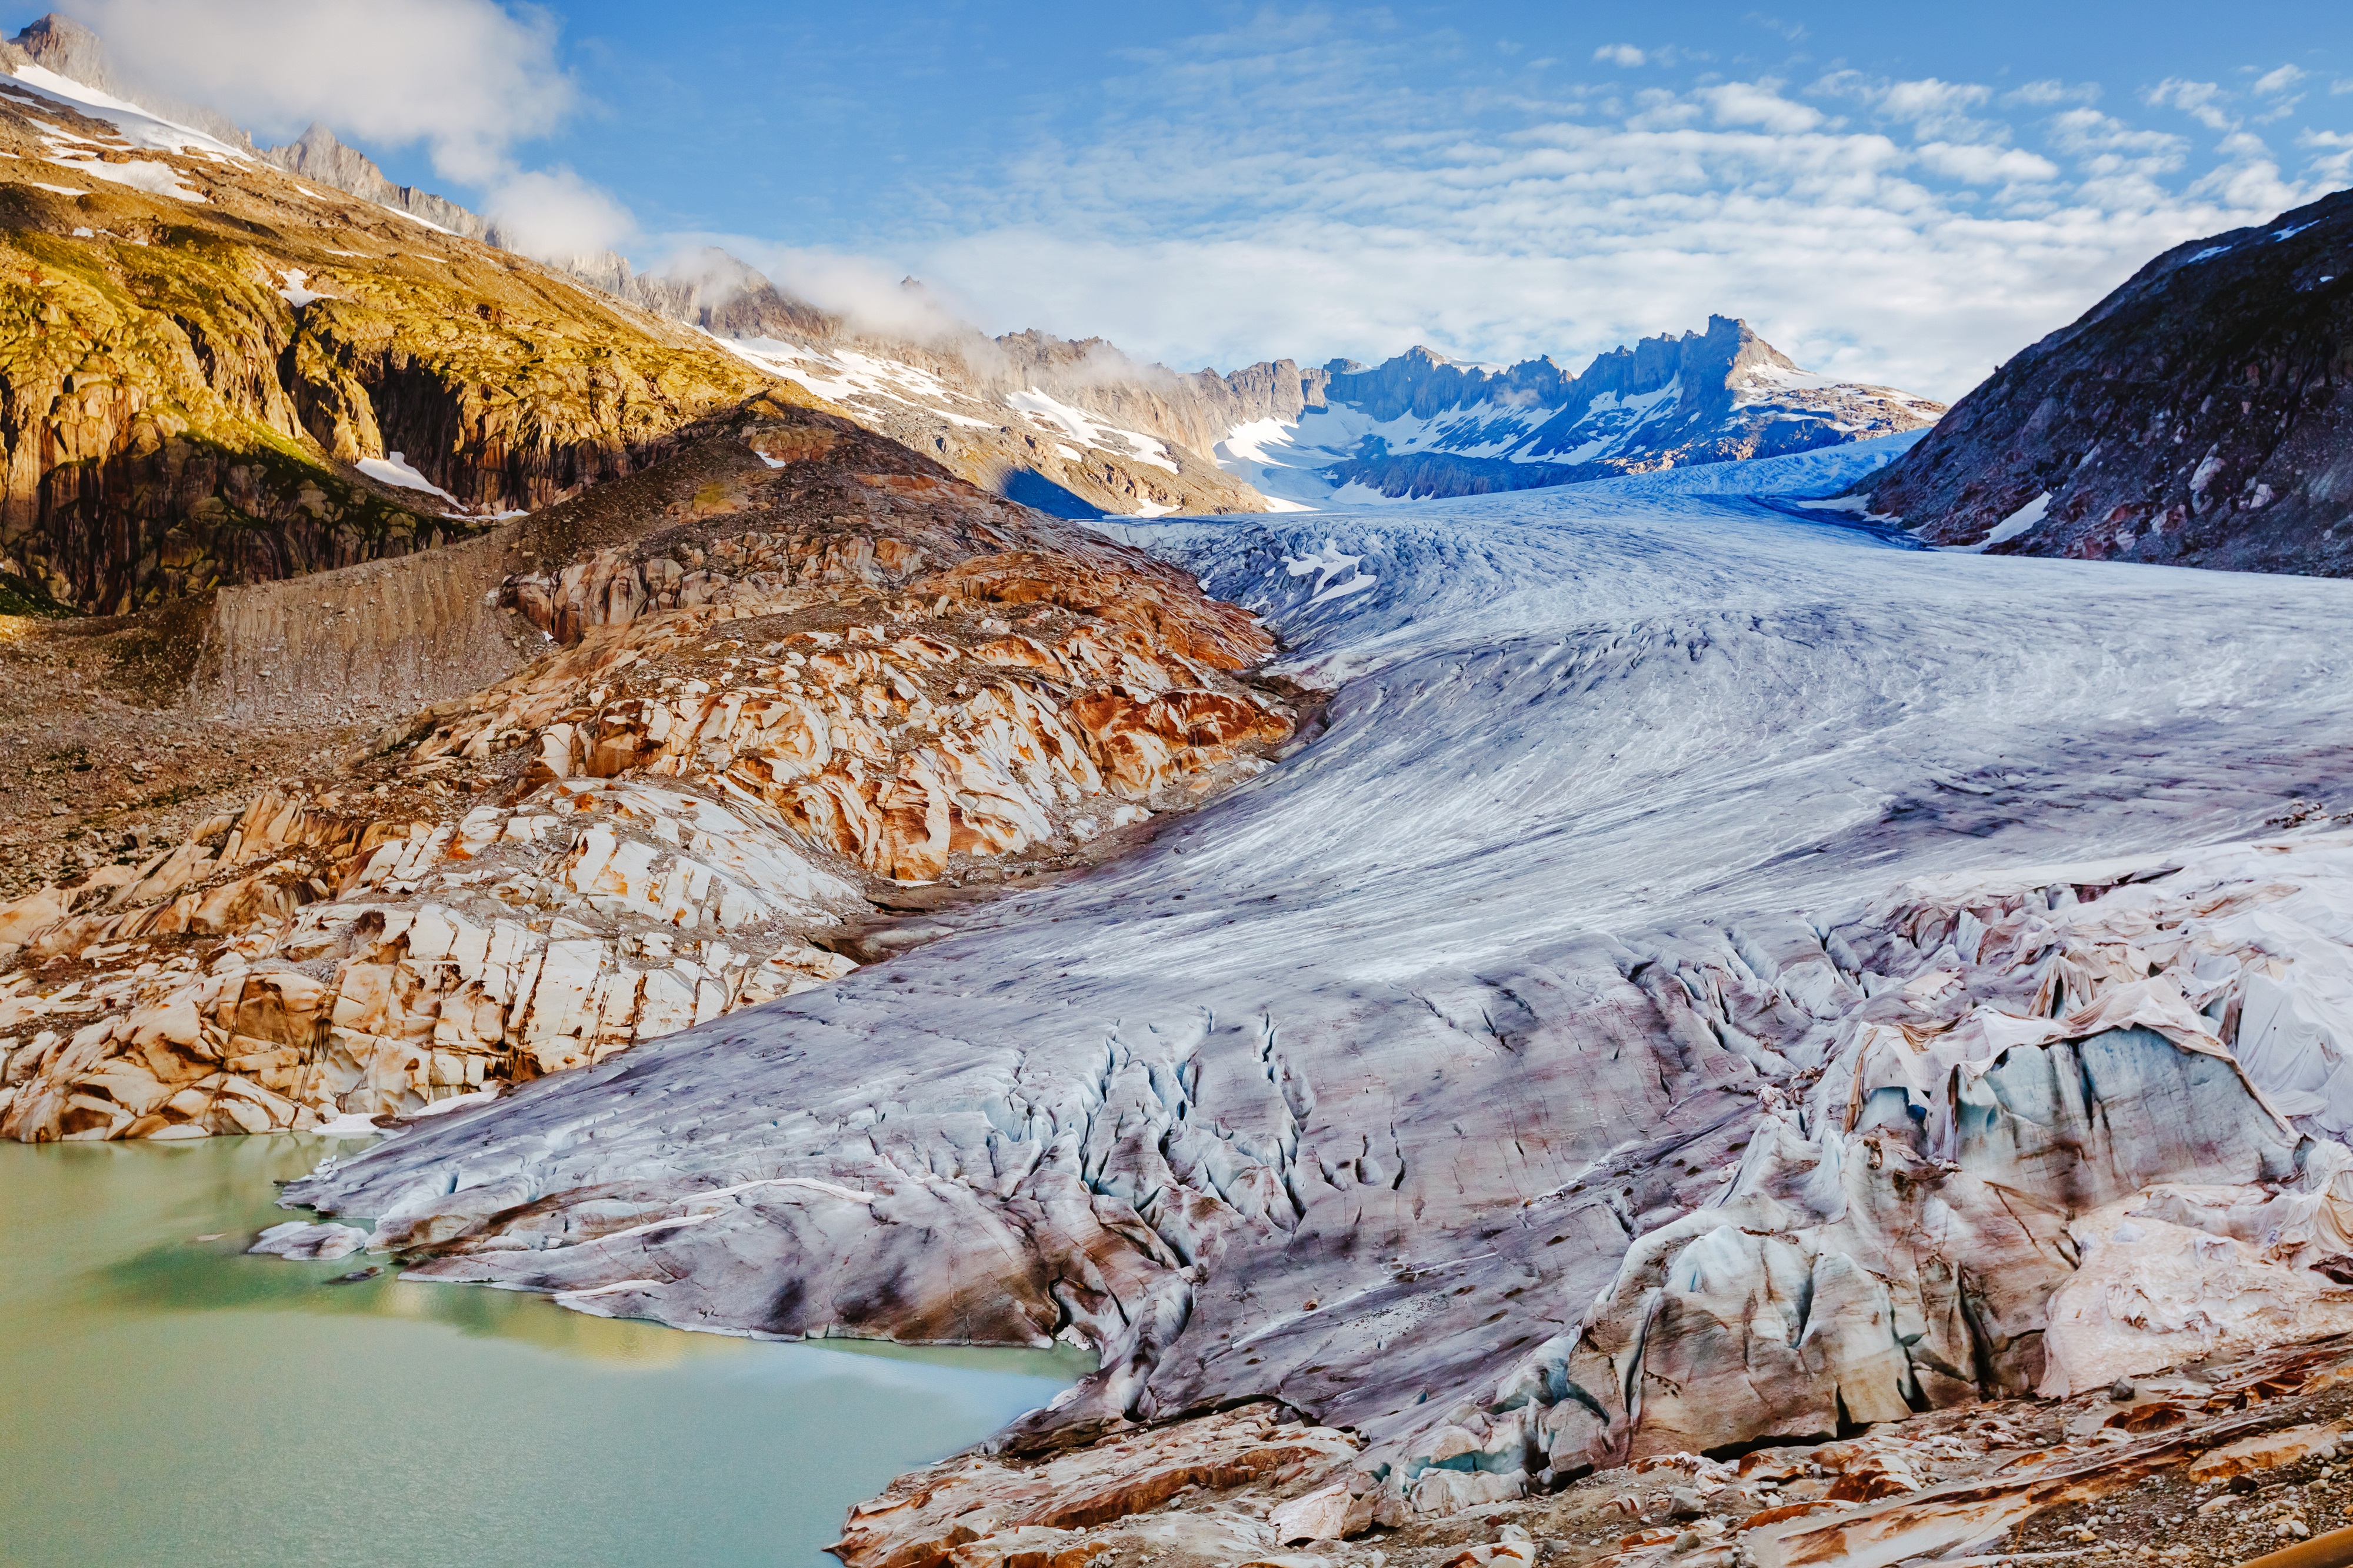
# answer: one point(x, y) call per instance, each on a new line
point(1902, 192)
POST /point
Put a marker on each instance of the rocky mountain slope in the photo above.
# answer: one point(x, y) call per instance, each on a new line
point(2196, 415)
point(214, 373)
point(796, 674)
point(1074, 428)
point(1969, 1039)
point(217, 373)
point(1422, 425)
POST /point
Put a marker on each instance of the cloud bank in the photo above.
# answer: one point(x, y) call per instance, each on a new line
point(1294, 187)
point(466, 79)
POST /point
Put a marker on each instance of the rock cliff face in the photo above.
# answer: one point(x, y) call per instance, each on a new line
point(796, 671)
point(2199, 416)
point(316, 155)
point(208, 367)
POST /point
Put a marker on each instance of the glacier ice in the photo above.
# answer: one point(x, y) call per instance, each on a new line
point(1367, 1083)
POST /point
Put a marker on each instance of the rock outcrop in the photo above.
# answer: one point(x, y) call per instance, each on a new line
point(317, 155)
point(2215, 1466)
point(796, 671)
point(2197, 415)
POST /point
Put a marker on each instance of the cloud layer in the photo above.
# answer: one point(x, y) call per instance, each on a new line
point(467, 79)
point(1290, 187)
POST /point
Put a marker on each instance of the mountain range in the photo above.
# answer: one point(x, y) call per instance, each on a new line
point(1081, 430)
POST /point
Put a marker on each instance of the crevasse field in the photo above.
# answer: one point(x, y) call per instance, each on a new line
point(1227, 1106)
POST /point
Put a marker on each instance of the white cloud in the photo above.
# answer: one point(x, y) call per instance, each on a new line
point(1977, 164)
point(2201, 100)
point(1625, 55)
point(469, 78)
point(1246, 203)
point(1937, 108)
point(555, 215)
point(2052, 91)
point(1758, 103)
point(873, 297)
point(2279, 81)
point(2084, 131)
point(1794, 32)
point(2332, 161)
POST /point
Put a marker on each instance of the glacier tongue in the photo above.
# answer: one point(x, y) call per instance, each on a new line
point(1358, 1087)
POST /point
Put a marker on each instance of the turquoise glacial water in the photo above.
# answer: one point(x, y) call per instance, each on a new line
point(166, 1400)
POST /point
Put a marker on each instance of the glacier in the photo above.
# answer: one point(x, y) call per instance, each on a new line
point(1637, 808)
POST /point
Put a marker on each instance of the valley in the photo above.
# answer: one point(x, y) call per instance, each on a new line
point(1680, 963)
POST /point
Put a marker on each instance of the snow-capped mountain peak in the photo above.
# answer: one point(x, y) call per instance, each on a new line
point(1423, 425)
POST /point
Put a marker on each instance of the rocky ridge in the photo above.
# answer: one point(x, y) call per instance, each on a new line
point(796, 674)
point(2196, 416)
point(1077, 428)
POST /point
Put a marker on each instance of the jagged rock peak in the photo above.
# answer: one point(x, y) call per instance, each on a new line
point(1424, 382)
point(56, 42)
point(319, 155)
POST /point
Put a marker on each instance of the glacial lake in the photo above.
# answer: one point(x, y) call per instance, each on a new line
point(169, 1400)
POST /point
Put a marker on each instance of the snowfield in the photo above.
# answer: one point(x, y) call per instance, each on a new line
point(1357, 1086)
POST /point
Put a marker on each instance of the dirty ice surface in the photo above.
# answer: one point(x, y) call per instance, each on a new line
point(1571, 727)
point(1618, 706)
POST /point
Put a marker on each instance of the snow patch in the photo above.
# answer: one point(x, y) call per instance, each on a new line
point(423, 223)
point(155, 178)
point(1088, 431)
point(133, 126)
point(2010, 527)
point(294, 293)
point(393, 469)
